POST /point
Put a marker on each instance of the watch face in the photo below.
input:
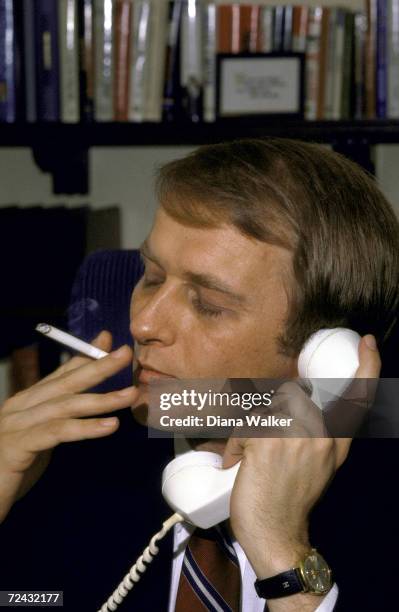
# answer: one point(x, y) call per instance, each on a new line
point(316, 573)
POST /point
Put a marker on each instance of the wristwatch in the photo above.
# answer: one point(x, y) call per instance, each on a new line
point(312, 576)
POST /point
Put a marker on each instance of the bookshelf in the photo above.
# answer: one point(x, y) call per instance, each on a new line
point(62, 149)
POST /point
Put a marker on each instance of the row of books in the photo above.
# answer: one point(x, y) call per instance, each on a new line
point(155, 60)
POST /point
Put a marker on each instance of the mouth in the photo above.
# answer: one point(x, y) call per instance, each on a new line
point(146, 374)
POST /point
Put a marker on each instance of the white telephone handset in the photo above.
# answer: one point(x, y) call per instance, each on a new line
point(197, 487)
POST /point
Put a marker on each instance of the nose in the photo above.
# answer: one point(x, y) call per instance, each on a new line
point(153, 317)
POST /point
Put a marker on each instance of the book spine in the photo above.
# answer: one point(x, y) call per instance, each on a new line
point(191, 69)
point(123, 25)
point(254, 37)
point(29, 51)
point(7, 81)
point(330, 66)
point(393, 59)
point(69, 62)
point(86, 59)
point(287, 33)
point(338, 63)
point(139, 59)
point(347, 72)
point(245, 22)
point(300, 17)
point(156, 60)
point(225, 28)
point(104, 73)
point(371, 51)
point(278, 29)
point(381, 93)
point(171, 105)
point(312, 62)
point(359, 68)
point(266, 29)
point(324, 44)
point(209, 61)
point(48, 72)
point(19, 62)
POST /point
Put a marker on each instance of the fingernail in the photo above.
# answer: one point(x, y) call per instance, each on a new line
point(121, 352)
point(111, 422)
point(371, 342)
point(125, 392)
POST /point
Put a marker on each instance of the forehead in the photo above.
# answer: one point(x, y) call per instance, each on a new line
point(248, 264)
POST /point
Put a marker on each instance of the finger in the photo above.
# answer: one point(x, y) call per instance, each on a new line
point(73, 406)
point(369, 358)
point(234, 451)
point(48, 435)
point(75, 381)
point(102, 341)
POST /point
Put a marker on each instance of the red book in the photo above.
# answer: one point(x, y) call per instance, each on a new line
point(225, 24)
point(123, 23)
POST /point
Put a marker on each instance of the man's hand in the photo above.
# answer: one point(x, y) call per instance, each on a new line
point(278, 483)
point(35, 420)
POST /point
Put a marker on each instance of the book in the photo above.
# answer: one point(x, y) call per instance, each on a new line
point(19, 62)
point(323, 62)
point(104, 60)
point(123, 36)
point(300, 16)
point(338, 61)
point(86, 59)
point(191, 69)
point(347, 70)
point(266, 29)
point(29, 53)
point(371, 52)
point(278, 29)
point(224, 28)
point(381, 65)
point(328, 111)
point(47, 60)
point(209, 47)
point(393, 59)
point(69, 61)
point(171, 103)
point(139, 59)
point(360, 28)
point(287, 28)
point(156, 61)
point(7, 80)
point(312, 74)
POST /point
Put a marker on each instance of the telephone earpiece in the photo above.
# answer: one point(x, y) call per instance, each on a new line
point(197, 487)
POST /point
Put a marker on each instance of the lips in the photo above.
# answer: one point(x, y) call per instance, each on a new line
point(146, 375)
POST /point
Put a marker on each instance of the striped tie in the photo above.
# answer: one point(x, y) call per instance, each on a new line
point(210, 578)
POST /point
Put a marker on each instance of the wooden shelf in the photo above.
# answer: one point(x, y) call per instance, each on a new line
point(62, 149)
point(166, 134)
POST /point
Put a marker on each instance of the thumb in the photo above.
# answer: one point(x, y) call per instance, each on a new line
point(234, 451)
point(369, 358)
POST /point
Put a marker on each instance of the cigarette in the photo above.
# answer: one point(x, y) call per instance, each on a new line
point(68, 340)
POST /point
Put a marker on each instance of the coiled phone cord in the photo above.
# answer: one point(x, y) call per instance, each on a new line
point(133, 575)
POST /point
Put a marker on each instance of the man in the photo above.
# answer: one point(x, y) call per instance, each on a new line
point(256, 245)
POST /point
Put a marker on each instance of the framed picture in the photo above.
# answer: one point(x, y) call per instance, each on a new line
point(260, 84)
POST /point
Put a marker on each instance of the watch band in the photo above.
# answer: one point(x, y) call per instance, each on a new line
point(281, 585)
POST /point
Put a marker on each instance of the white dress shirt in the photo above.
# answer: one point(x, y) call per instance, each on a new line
point(250, 600)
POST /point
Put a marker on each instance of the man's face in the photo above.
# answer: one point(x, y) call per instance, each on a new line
point(211, 304)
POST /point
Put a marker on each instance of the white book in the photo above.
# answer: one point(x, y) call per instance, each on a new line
point(338, 63)
point(104, 65)
point(158, 36)
point(69, 61)
point(360, 34)
point(191, 71)
point(312, 62)
point(139, 59)
point(209, 49)
point(266, 28)
point(393, 59)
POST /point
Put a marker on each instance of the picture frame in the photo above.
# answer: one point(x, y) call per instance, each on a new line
point(260, 84)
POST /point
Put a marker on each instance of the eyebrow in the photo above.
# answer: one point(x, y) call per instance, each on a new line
point(209, 281)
